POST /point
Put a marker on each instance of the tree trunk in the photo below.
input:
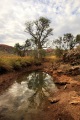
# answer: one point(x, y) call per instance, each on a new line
point(39, 51)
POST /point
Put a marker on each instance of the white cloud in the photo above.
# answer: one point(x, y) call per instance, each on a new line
point(64, 15)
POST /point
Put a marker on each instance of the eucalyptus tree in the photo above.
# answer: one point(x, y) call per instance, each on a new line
point(18, 49)
point(39, 30)
point(59, 46)
point(58, 42)
point(78, 39)
point(21, 50)
point(26, 47)
point(69, 40)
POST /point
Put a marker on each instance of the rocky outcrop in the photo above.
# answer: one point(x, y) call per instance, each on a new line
point(74, 70)
point(67, 69)
point(72, 57)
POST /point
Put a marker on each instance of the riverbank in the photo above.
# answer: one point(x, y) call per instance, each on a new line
point(7, 79)
point(65, 103)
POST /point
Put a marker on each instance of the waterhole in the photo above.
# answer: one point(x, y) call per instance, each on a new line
point(27, 97)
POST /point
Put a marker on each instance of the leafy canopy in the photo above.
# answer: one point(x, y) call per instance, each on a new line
point(39, 30)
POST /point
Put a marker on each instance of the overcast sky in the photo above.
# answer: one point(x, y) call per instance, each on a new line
point(64, 16)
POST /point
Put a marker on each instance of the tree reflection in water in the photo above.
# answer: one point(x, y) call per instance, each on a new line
point(43, 86)
point(27, 95)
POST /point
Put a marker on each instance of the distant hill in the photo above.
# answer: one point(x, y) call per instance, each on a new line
point(6, 48)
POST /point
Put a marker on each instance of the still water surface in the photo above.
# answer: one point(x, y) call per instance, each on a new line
point(26, 97)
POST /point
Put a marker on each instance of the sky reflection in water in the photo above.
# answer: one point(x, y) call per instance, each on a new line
point(27, 95)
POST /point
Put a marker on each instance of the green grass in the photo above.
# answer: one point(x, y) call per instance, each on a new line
point(12, 62)
point(51, 58)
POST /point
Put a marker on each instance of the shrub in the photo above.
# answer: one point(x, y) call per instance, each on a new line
point(16, 64)
point(5, 65)
point(39, 54)
point(58, 52)
point(9, 63)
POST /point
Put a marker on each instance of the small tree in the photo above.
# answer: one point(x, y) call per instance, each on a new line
point(58, 42)
point(66, 42)
point(78, 39)
point(58, 52)
point(26, 46)
point(18, 49)
point(22, 49)
point(69, 40)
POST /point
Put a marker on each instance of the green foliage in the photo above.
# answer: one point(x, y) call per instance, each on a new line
point(41, 32)
point(42, 53)
point(21, 49)
point(58, 52)
point(16, 64)
point(11, 63)
point(39, 54)
point(69, 40)
point(65, 42)
point(78, 38)
point(58, 42)
point(5, 65)
point(18, 49)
